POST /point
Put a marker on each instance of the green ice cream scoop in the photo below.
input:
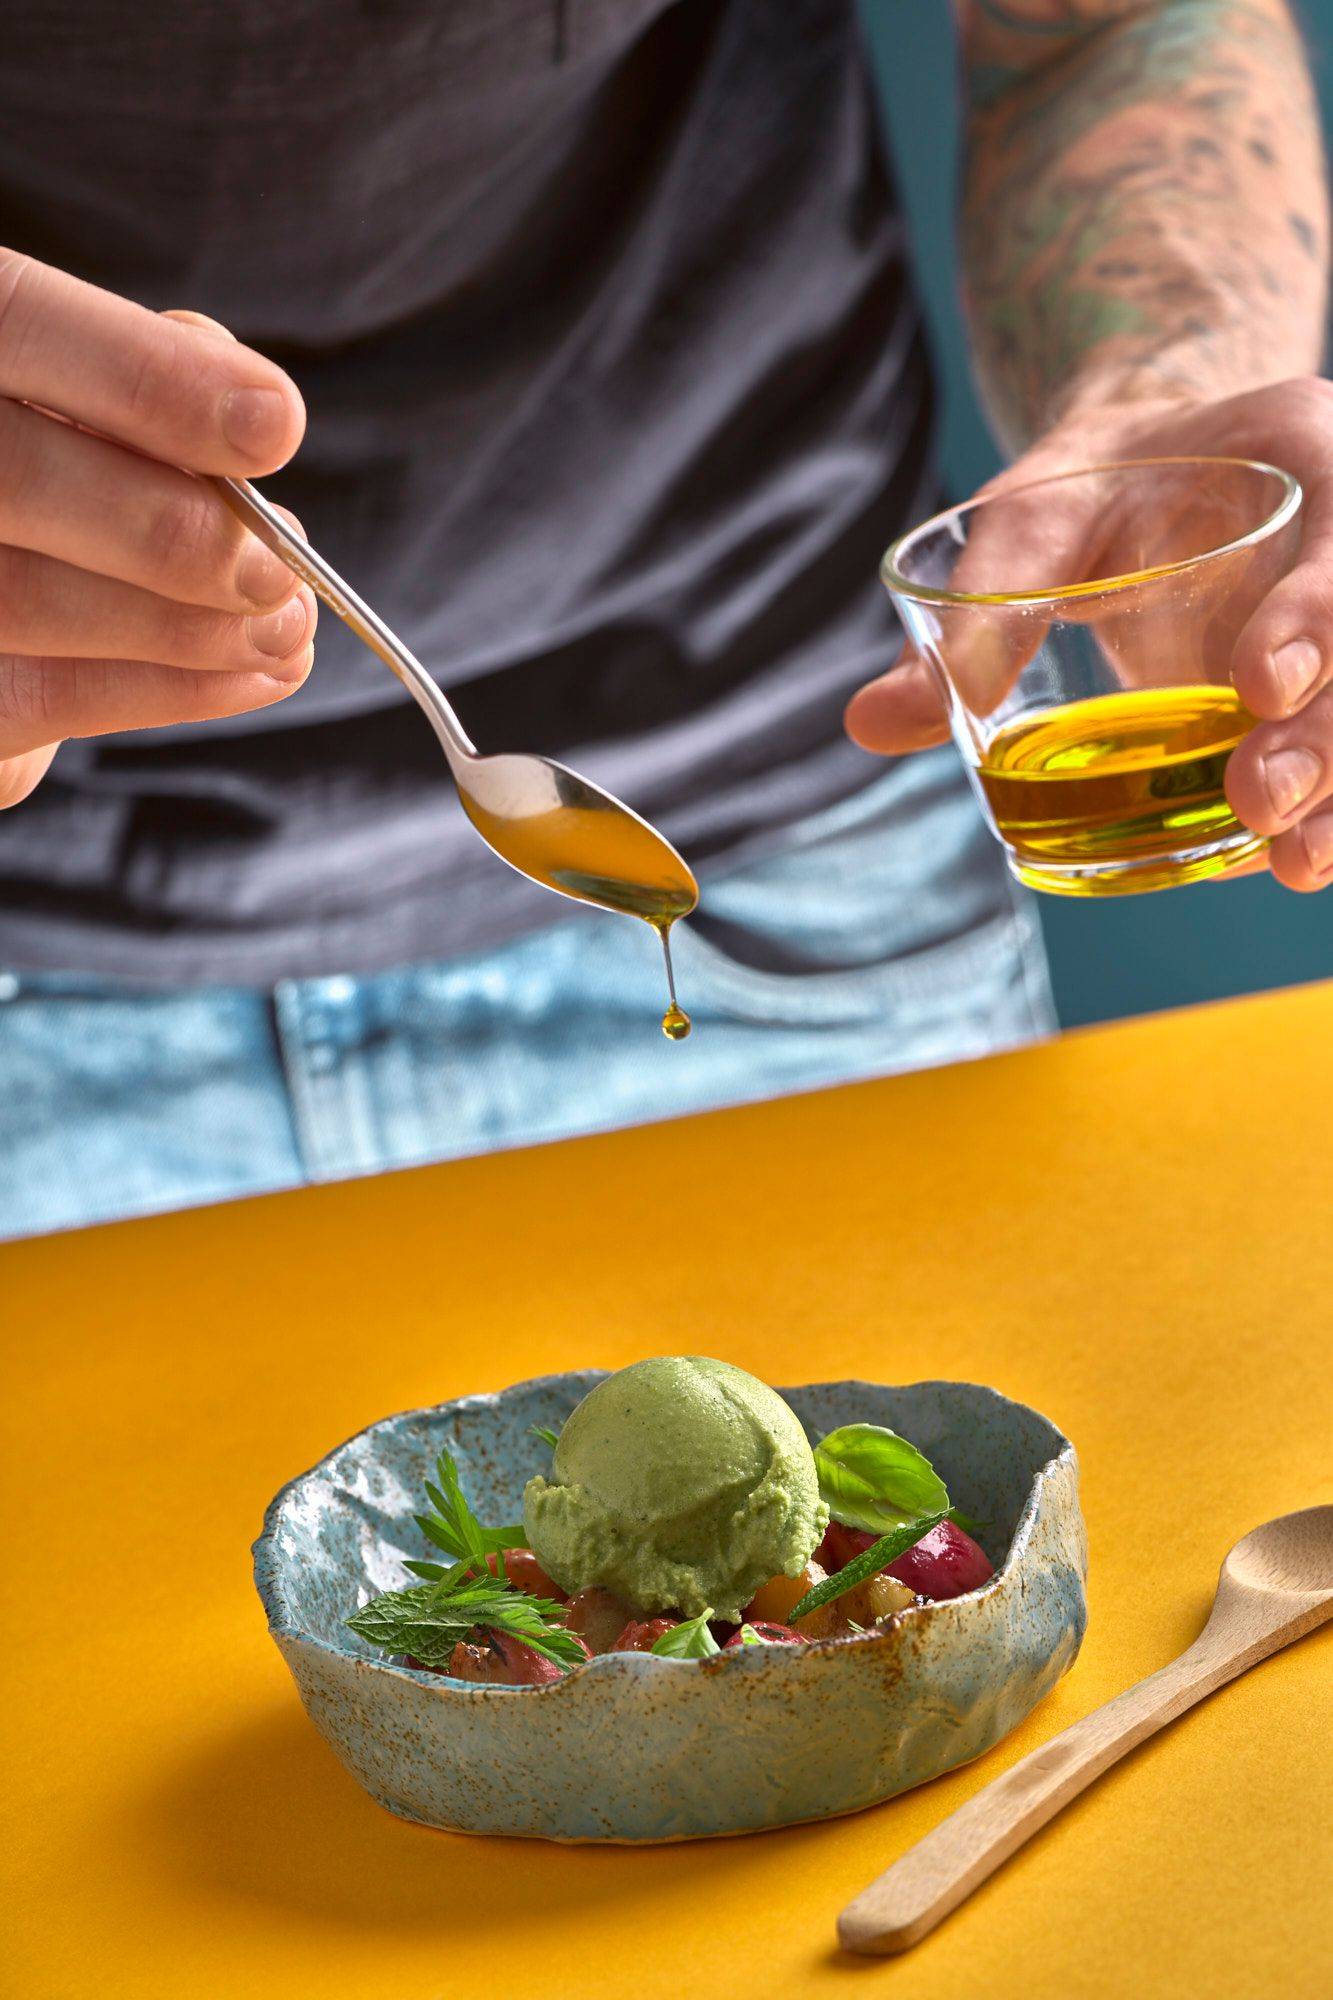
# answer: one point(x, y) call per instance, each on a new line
point(679, 1484)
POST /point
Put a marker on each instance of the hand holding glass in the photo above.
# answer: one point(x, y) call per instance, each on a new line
point(1081, 629)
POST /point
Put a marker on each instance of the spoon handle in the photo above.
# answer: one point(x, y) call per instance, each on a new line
point(944, 1867)
point(277, 534)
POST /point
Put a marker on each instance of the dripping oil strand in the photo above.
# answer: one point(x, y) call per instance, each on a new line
point(675, 1022)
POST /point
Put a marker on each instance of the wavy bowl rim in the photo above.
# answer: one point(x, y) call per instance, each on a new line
point(268, 1565)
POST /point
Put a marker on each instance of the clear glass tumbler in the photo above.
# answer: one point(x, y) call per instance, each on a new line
point(1081, 629)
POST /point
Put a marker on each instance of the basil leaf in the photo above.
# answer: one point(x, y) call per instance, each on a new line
point(869, 1563)
point(689, 1641)
point(871, 1478)
point(749, 1637)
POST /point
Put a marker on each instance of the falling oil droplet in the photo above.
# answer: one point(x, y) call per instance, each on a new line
point(675, 1022)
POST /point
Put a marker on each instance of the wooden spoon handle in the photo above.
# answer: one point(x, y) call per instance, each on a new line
point(936, 1875)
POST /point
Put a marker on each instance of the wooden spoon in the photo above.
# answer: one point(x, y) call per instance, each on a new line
point(1276, 1585)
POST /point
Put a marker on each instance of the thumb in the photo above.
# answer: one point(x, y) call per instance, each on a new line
point(903, 710)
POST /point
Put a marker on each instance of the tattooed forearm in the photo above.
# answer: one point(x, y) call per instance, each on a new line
point(1145, 211)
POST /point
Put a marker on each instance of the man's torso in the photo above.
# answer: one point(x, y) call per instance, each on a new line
point(616, 392)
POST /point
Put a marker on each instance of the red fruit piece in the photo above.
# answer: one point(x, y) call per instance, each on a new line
point(597, 1617)
point(505, 1662)
point(840, 1545)
point(642, 1634)
point(772, 1635)
point(524, 1572)
point(474, 1663)
point(944, 1563)
point(524, 1666)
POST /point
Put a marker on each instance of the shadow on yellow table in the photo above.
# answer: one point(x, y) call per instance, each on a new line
point(1129, 1229)
point(237, 1819)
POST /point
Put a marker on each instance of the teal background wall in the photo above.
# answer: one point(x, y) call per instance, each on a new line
point(1142, 952)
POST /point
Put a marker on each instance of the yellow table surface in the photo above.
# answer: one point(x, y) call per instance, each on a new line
point(1131, 1229)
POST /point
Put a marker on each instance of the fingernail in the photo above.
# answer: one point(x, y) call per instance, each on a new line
point(287, 671)
point(281, 632)
point(1318, 837)
point(255, 421)
point(1297, 667)
point(260, 576)
point(1291, 776)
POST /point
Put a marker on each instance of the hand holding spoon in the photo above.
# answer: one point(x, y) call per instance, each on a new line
point(1276, 1585)
point(544, 820)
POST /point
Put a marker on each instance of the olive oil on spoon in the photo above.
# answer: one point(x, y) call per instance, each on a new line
point(547, 822)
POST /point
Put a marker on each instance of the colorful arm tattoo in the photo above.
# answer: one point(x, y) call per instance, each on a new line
point(1145, 212)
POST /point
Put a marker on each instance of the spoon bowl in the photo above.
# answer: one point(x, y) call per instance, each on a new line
point(566, 833)
point(1288, 1562)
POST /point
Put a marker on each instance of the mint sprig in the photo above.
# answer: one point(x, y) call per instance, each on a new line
point(456, 1601)
point(454, 1527)
point(869, 1563)
point(428, 1620)
point(690, 1640)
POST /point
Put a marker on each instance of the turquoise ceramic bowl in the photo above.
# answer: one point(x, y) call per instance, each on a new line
point(631, 1747)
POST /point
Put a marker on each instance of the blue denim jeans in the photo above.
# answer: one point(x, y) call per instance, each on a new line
point(882, 935)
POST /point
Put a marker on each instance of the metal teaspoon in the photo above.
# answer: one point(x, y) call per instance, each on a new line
point(546, 821)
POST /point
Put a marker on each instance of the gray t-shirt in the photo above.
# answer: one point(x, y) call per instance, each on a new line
point(616, 394)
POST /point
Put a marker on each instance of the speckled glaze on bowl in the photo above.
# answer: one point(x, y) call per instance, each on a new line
point(631, 1747)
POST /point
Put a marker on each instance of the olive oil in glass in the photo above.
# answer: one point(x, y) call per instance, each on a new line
point(1129, 778)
